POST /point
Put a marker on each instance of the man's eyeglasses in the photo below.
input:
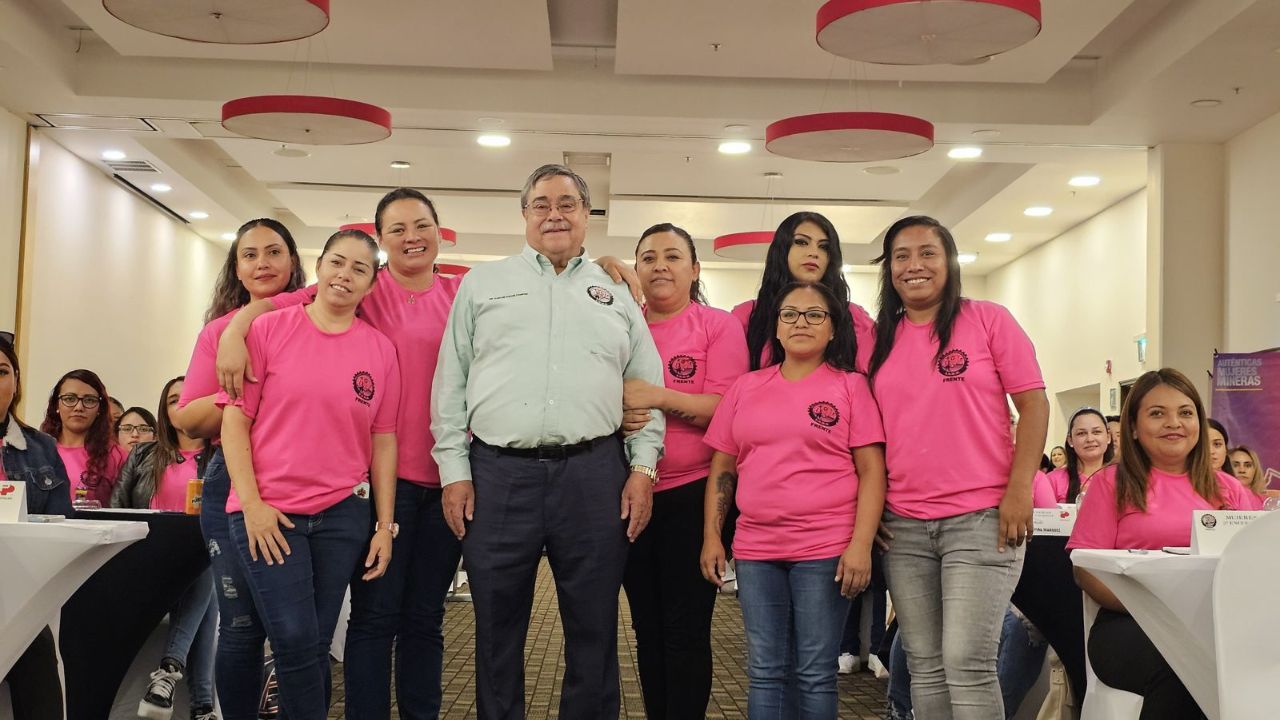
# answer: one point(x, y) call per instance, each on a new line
point(542, 208)
point(90, 402)
point(140, 429)
point(813, 317)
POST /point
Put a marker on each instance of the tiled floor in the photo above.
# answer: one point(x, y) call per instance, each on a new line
point(861, 695)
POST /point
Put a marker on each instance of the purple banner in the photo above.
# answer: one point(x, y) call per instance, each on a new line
point(1246, 399)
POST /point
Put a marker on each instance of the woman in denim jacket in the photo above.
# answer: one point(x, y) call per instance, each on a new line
point(30, 456)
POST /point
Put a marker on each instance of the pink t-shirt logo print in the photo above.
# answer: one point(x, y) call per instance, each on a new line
point(600, 295)
point(682, 367)
point(362, 382)
point(953, 363)
point(824, 413)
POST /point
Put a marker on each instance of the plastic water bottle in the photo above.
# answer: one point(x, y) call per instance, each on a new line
point(1271, 503)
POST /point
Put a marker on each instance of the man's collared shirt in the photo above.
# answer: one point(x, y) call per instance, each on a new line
point(533, 358)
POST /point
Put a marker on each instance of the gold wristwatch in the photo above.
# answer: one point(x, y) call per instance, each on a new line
point(647, 471)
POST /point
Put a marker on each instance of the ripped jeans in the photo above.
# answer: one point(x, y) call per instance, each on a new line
point(238, 662)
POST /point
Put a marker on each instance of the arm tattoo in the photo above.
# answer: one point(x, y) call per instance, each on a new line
point(689, 417)
point(725, 485)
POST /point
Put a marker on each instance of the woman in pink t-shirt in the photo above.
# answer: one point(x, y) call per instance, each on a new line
point(307, 446)
point(156, 476)
point(261, 262)
point(1088, 449)
point(77, 417)
point(805, 248)
point(704, 351)
point(1145, 501)
point(958, 506)
point(799, 447)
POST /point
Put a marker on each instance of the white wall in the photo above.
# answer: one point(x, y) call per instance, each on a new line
point(112, 284)
point(1082, 299)
point(1252, 305)
point(726, 288)
point(13, 157)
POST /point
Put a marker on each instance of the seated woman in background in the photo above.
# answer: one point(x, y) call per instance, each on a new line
point(308, 447)
point(31, 457)
point(1088, 449)
point(1057, 456)
point(805, 439)
point(1145, 502)
point(1219, 441)
point(136, 425)
point(156, 476)
point(77, 417)
point(1246, 466)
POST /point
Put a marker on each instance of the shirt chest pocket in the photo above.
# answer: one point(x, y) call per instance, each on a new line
point(42, 479)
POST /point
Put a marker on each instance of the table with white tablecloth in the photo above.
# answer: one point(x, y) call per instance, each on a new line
point(42, 565)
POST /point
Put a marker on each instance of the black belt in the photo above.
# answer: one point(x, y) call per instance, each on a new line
point(548, 452)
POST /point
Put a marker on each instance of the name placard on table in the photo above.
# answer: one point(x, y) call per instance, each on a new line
point(1054, 522)
point(13, 501)
point(1211, 530)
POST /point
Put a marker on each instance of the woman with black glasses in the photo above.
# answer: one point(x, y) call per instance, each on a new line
point(77, 417)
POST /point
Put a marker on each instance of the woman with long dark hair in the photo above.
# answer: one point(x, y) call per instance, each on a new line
point(799, 444)
point(1088, 449)
point(78, 418)
point(1145, 502)
point(703, 351)
point(135, 425)
point(1219, 441)
point(31, 457)
point(262, 261)
point(156, 476)
point(958, 507)
point(805, 248)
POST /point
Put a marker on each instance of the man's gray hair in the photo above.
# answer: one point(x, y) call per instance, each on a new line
point(547, 171)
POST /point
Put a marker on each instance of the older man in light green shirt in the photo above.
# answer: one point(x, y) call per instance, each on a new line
point(532, 366)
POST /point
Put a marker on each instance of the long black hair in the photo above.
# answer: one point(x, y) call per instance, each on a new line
point(891, 306)
point(696, 293)
point(761, 326)
point(840, 353)
point(1226, 441)
point(1073, 460)
point(229, 293)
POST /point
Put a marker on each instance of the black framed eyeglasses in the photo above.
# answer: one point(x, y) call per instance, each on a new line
point(90, 402)
point(813, 317)
point(140, 429)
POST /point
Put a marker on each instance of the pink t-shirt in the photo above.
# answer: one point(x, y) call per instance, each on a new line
point(704, 351)
point(318, 399)
point(949, 448)
point(864, 330)
point(76, 460)
point(1042, 492)
point(414, 322)
point(1061, 483)
point(202, 371)
point(797, 484)
point(1167, 521)
point(171, 493)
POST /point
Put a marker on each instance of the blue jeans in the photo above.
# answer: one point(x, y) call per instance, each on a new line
point(951, 588)
point(238, 660)
point(299, 600)
point(405, 606)
point(793, 614)
point(1020, 660)
point(193, 625)
point(851, 643)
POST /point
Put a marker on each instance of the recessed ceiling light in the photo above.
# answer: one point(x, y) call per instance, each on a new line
point(1206, 103)
point(113, 155)
point(967, 258)
point(160, 188)
point(493, 140)
point(735, 147)
point(846, 268)
point(401, 164)
point(999, 237)
point(736, 128)
point(382, 257)
point(881, 170)
point(285, 151)
point(228, 236)
point(985, 133)
point(964, 153)
point(1037, 211)
point(197, 215)
point(1084, 181)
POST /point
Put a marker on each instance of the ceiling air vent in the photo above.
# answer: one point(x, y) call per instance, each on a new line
point(599, 212)
point(136, 166)
point(95, 122)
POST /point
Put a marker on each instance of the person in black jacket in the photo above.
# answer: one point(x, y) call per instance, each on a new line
point(28, 455)
point(156, 476)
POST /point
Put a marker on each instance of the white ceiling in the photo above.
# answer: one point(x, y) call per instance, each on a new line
point(640, 82)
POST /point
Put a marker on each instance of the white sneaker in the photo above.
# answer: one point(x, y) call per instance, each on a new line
point(848, 663)
point(877, 668)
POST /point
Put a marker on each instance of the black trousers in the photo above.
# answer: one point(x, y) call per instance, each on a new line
point(671, 606)
point(571, 507)
point(34, 687)
point(1124, 658)
point(1048, 596)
